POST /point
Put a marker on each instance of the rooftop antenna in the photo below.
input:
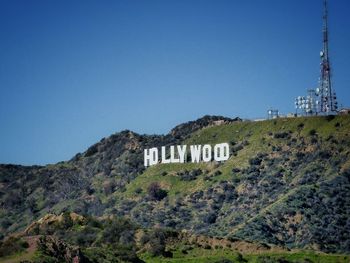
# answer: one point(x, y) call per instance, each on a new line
point(328, 100)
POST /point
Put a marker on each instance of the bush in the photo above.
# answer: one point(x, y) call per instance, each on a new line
point(155, 192)
point(67, 221)
point(217, 173)
point(207, 246)
point(240, 258)
point(300, 155)
point(115, 229)
point(281, 135)
point(312, 132)
point(255, 161)
point(86, 237)
point(108, 186)
point(330, 117)
point(314, 140)
point(236, 170)
point(276, 148)
point(12, 245)
point(210, 218)
point(138, 190)
point(325, 155)
point(189, 175)
point(185, 249)
point(89, 190)
point(119, 253)
point(157, 242)
point(236, 148)
point(91, 151)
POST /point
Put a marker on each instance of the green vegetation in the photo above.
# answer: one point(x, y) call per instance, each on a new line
point(287, 183)
point(220, 255)
point(12, 245)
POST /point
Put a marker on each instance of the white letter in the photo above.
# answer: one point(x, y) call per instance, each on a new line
point(172, 155)
point(164, 160)
point(221, 152)
point(182, 152)
point(150, 157)
point(196, 153)
point(206, 153)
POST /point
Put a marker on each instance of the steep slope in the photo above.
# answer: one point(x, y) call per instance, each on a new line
point(70, 237)
point(286, 183)
point(83, 184)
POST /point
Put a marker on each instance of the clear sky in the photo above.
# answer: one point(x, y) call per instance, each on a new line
point(72, 72)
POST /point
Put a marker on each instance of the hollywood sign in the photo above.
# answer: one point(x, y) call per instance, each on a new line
point(178, 154)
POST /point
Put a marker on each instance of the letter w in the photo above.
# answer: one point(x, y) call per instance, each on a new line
point(196, 153)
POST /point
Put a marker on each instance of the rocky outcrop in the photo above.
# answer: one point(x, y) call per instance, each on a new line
point(64, 219)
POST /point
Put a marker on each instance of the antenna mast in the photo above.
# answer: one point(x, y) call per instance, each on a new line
point(328, 100)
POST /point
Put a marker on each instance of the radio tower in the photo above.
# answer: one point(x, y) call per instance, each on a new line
point(328, 100)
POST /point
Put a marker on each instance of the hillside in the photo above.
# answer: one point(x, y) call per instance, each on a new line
point(84, 183)
point(285, 184)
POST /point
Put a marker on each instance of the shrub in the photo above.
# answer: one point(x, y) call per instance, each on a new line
point(189, 175)
point(240, 258)
point(210, 218)
point(217, 173)
point(255, 161)
point(235, 170)
point(108, 186)
point(89, 190)
point(118, 253)
point(207, 246)
point(276, 148)
point(67, 221)
point(281, 135)
point(157, 242)
point(91, 151)
point(300, 126)
point(314, 140)
point(12, 245)
point(300, 155)
point(330, 117)
point(138, 190)
point(325, 155)
point(86, 237)
point(312, 132)
point(155, 192)
point(186, 248)
point(236, 148)
point(114, 229)
point(5, 223)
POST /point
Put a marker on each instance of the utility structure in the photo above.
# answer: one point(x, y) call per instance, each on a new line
point(327, 97)
point(273, 114)
point(307, 105)
point(323, 100)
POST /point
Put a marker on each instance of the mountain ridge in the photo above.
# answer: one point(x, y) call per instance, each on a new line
point(286, 183)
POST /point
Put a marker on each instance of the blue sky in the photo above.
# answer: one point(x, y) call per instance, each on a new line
point(72, 72)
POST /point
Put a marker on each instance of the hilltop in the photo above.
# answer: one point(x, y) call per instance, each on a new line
point(286, 184)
